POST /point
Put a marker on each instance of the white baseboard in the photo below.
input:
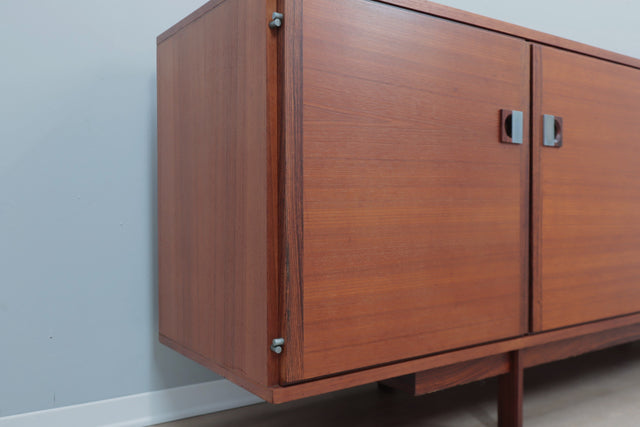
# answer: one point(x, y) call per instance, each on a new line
point(143, 409)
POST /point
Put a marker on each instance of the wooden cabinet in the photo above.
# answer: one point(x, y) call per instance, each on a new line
point(347, 179)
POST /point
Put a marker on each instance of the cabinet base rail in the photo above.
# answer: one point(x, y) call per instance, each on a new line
point(505, 359)
point(509, 368)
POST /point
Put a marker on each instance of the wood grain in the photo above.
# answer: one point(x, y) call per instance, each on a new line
point(511, 393)
point(291, 185)
point(462, 16)
point(415, 214)
point(380, 373)
point(189, 19)
point(458, 15)
point(274, 133)
point(588, 196)
point(216, 261)
point(388, 165)
point(538, 349)
point(450, 376)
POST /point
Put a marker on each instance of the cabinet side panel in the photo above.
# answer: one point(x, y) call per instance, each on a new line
point(213, 163)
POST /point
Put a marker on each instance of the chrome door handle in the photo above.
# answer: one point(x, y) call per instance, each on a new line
point(552, 131)
point(512, 125)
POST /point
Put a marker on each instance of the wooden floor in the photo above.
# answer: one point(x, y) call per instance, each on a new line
point(598, 389)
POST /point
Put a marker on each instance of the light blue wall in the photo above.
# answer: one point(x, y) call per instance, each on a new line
point(77, 203)
point(77, 187)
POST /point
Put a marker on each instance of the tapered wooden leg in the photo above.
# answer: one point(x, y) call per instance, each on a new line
point(510, 394)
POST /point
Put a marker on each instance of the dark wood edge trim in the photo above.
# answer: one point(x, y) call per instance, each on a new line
point(291, 184)
point(469, 18)
point(240, 379)
point(273, 188)
point(353, 379)
point(525, 202)
point(536, 189)
point(192, 17)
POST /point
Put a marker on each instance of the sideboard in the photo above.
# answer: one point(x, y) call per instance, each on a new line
point(357, 191)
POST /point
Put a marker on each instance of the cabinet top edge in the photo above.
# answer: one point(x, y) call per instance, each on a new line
point(194, 16)
point(461, 16)
point(534, 36)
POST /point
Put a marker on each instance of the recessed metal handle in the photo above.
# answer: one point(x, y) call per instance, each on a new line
point(512, 126)
point(552, 131)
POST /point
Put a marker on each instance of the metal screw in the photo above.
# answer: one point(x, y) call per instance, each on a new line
point(276, 20)
point(276, 345)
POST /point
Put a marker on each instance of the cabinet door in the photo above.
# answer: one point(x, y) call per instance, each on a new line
point(586, 201)
point(414, 214)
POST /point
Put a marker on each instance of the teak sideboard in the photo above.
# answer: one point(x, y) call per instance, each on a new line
point(353, 191)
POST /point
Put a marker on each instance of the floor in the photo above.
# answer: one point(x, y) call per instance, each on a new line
point(598, 389)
